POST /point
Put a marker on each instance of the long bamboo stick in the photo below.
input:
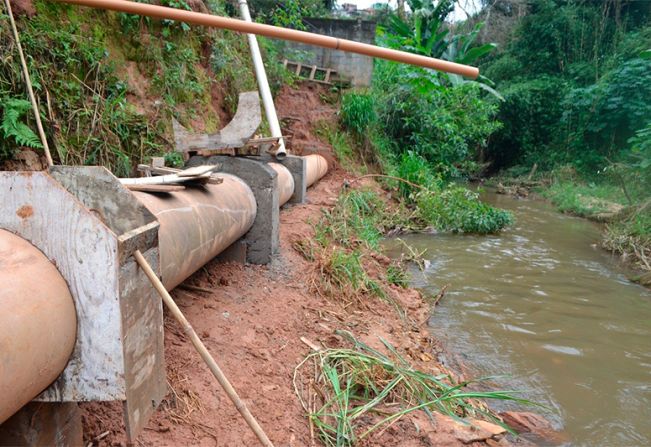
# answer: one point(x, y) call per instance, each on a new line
point(277, 32)
point(202, 350)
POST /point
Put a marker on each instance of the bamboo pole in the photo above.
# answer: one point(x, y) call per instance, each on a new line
point(28, 81)
point(202, 350)
point(277, 32)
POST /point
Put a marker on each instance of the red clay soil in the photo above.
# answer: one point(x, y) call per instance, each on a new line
point(252, 322)
point(23, 8)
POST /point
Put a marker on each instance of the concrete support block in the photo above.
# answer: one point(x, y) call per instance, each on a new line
point(236, 252)
point(43, 423)
point(297, 166)
point(263, 239)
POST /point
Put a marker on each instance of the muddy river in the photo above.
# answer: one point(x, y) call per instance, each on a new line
point(544, 308)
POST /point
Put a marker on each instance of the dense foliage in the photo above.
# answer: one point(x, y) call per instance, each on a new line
point(576, 88)
point(428, 128)
point(576, 78)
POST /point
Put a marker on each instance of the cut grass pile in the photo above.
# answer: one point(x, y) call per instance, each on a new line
point(348, 394)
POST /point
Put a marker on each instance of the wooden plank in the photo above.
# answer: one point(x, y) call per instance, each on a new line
point(259, 141)
point(142, 334)
point(155, 188)
point(322, 82)
point(213, 179)
point(298, 69)
point(313, 72)
point(197, 170)
point(327, 76)
point(224, 151)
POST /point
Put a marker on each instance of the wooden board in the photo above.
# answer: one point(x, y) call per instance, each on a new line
point(85, 252)
point(213, 179)
point(142, 335)
point(196, 171)
point(155, 188)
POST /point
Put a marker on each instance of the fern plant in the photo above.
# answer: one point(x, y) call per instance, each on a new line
point(13, 129)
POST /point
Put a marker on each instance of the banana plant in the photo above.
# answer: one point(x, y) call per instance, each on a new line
point(427, 34)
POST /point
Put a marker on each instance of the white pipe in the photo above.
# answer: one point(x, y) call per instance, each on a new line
point(263, 84)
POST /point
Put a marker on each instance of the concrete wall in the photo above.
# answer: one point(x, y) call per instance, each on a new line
point(357, 68)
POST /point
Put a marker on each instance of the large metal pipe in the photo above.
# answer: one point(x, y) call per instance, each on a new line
point(38, 323)
point(316, 167)
point(277, 32)
point(285, 183)
point(197, 224)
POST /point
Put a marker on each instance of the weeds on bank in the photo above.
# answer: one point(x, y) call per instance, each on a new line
point(344, 239)
point(630, 235)
point(348, 394)
point(584, 200)
point(360, 217)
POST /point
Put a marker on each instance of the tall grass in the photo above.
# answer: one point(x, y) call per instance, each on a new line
point(348, 394)
point(357, 112)
point(359, 217)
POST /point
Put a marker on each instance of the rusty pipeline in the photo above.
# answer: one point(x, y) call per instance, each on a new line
point(316, 167)
point(38, 325)
point(285, 183)
point(197, 224)
point(213, 21)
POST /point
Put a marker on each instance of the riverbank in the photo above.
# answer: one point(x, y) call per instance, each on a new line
point(626, 221)
point(261, 322)
point(541, 308)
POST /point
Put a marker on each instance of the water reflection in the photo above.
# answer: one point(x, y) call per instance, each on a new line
point(543, 304)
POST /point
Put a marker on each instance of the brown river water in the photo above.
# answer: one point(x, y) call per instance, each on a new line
point(541, 306)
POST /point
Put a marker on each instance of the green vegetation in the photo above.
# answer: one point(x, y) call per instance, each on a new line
point(13, 127)
point(109, 84)
point(359, 218)
point(363, 390)
point(420, 177)
point(458, 209)
point(424, 129)
point(576, 80)
point(345, 239)
point(584, 200)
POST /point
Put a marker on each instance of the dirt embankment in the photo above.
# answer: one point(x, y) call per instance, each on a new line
point(253, 320)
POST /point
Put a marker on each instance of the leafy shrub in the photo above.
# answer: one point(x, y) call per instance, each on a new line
point(603, 116)
point(447, 126)
point(414, 169)
point(530, 115)
point(575, 85)
point(458, 209)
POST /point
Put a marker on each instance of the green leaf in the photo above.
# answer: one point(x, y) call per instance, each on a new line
point(646, 54)
point(475, 53)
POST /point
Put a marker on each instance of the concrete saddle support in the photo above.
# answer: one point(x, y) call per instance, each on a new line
point(236, 134)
